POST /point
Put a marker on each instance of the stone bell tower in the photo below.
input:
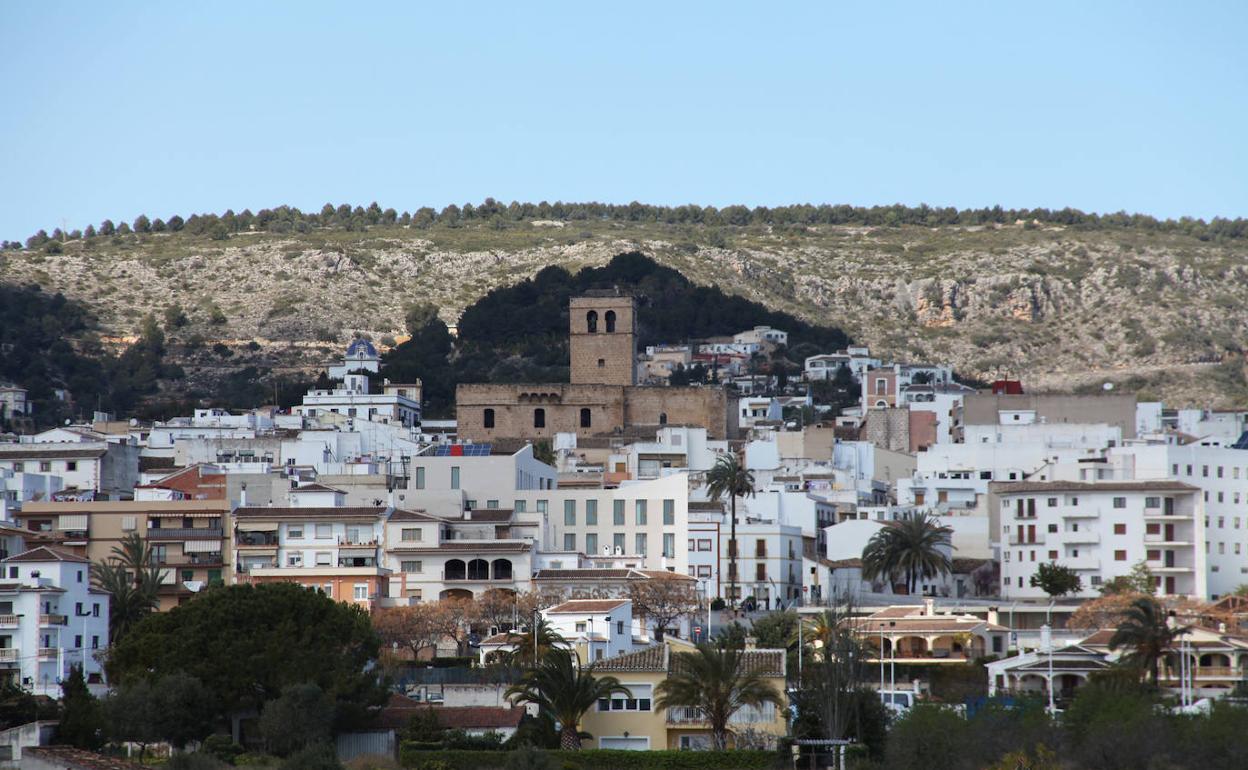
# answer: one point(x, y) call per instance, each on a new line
point(603, 339)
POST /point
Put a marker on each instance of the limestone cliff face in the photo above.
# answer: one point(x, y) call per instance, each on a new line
point(1060, 308)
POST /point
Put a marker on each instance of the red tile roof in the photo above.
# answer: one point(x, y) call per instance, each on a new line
point(273, 512)
point(587, 605)
point(401, 514)
point(48, 553)
point(78, 759)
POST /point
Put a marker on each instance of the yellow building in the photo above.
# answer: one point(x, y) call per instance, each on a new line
point(623, 722)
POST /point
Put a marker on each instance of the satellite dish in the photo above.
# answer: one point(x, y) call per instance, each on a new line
point(1107, 387)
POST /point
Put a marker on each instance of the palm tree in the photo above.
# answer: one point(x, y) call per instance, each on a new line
point(133, 579)
point(524, 653)
point(730, 477)
point(718, 681)
point(1144, 631)
point(912, 547)
point(562, 690)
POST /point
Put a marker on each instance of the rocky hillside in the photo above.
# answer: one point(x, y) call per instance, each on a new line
point(1063, 307)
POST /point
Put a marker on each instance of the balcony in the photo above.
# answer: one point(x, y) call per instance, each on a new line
point(1080, 513)
point(749, 715)
point(1015, 540)
point(1081, 563)
point(10, 621)
point(48, 653)
point(1174, 540)
point(255, 540)
point(10, 655)
point(53, 620)
point(1081, 537)
point(185, 533)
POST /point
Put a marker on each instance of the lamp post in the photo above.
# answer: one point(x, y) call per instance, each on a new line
point(1046, 640)
point(589, 640)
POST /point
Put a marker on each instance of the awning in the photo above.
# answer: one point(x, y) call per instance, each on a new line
point(75, 521)
point(201, 546)
point(258, 526)
point(184, 515)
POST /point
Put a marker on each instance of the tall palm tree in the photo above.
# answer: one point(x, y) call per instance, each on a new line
point(1144, 632)
point(132, 577)
point(716, 680)
point(912, 547)
point(565, 692)
point(730, 477)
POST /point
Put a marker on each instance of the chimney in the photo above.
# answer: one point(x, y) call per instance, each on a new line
point(929, 606)
point(751, 642)
point(242, 496)
point(994, 617)
point(390, 498)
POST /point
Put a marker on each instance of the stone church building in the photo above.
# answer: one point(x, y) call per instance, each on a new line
point(603, 396)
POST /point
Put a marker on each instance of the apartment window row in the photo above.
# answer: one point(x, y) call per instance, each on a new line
point(1218, 471)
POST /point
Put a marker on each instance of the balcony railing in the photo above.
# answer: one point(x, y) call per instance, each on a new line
point(53, 620)
point(256, 541)
point(10, 620)
point(9, 654)
point(749, 715)
point(48, 652)
point(183, 533)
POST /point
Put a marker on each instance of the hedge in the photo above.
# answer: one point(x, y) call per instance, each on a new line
point(601, 759)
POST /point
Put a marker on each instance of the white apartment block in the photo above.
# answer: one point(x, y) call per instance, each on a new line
point(1101, 530)
point(645, 519)
point(768, 564)
point(106, 468)
point(51, 620)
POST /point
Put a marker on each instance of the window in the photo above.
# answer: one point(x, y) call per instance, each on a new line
point(1053, 528)
point(412, 534)
point(669, 513)
point(640, 542)
point(294, 531)
point(1120, 555)
point(586, 418)
point(580, 628)
point(617, 517)
point(543, 506)
point(72, 465)
point(324, 531)
point(662, 418)
point(760, 572)
point(1052, 555)
point(591, 513)
point(569, 542)
point(420, 477)
point(640, 507)
point(487, 418)
point(1120, 529)
point(80, 572)
point(610, 319)
point(324, 558)
point(704, 545)
point(1120, 502)
point(360, 591)
point(985, 475)
point(454, 477)
point(95, 610)
point(520, 506)
point(619, 627)
point(491, 504)
point(95, 642)
point(411, 566)
point(617, 542)
point(539, 418)
point(591, 543)
point(569, 513)
point(602, 363)
point(591, 321)
point(294, 559)
point(1152, 502)
point(45, 467)
point(160, 554)
point(669, 545)
point(1052, 502)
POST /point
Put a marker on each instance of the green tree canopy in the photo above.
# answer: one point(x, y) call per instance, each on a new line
point(247, 643)
point(1056, 580)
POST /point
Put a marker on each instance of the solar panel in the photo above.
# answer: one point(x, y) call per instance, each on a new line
point(464, 450)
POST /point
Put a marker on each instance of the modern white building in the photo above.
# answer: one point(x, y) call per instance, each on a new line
point(103, 469)
point(1101, 530)
point(51, 619)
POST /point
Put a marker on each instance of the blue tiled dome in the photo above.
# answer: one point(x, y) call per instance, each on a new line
point(361, 348)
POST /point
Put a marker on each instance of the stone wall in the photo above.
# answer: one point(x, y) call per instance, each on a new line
point(601, 356)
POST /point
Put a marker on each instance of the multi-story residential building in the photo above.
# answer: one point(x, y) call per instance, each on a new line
point(646, 519)
point(761, 335)
point(431, 557)
point(633, 721)
point(334, 548)
point(769, 563)
point(1101, 530)
point(397, 403)
point(920, 634)
point(50, 619)
point(17, 487)
point(190, 538)
point(991, 409)
point(103, 469)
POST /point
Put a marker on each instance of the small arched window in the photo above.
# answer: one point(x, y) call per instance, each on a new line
point(591, 321)
point(539, 418)
point(662, 418)
point(488, 418)
point(610, 321)
point(586, 418)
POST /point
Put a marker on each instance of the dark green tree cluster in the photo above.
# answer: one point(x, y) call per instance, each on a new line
point(248, 644)
point(284, 219)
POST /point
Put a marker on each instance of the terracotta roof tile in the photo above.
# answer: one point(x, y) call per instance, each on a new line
point(649, 659)
point(48, 553)
point(587, 605)
point(489, 515)
point(78, 759)
point(1008, 488)
point(400, 514)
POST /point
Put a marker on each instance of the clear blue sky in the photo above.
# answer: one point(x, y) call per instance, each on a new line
point(116, 109)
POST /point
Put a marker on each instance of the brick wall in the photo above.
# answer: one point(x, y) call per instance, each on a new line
point(601, 356)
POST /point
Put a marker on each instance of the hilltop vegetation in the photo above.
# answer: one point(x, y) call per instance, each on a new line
point(1062, 299)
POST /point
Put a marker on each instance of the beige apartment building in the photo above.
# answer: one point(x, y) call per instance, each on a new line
point(190, 538)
